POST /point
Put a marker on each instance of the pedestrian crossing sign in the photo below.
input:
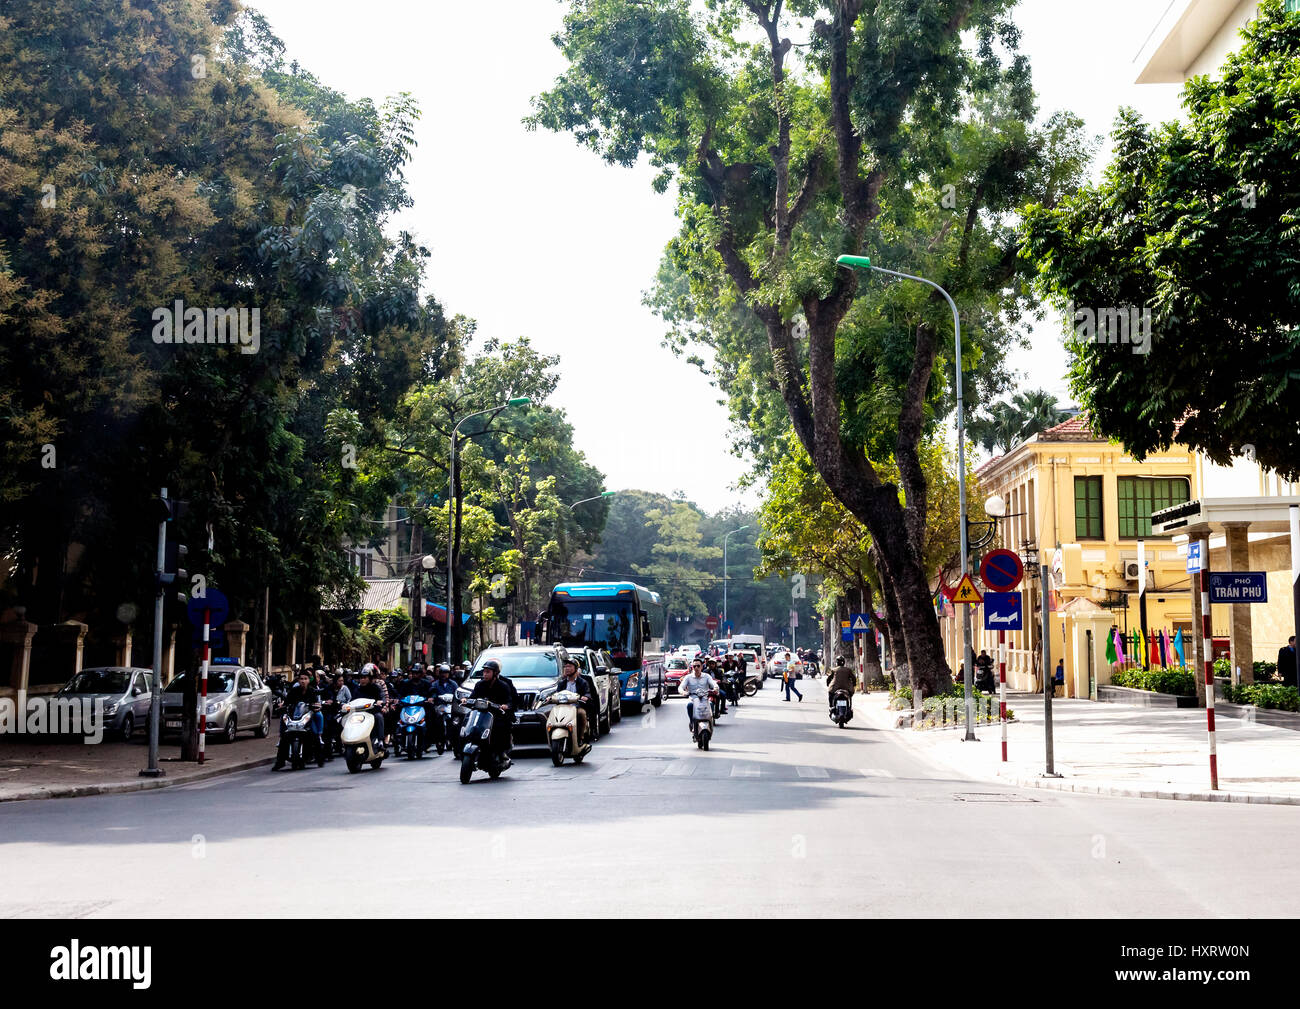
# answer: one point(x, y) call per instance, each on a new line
point(859, 623)
point(966, 591)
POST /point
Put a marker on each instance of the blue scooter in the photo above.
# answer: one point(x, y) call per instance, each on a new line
point(412, 734)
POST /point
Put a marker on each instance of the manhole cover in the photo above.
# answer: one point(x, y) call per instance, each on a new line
point(991, 797)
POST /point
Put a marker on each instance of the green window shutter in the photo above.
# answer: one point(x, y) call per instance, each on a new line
point(1087, 507)
point(1140, 496)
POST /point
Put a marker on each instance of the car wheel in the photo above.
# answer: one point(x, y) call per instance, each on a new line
point(618, 710)
point(264, 726)
point(230, 731)
point(128, 728)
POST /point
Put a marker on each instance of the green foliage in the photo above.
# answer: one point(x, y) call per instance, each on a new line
point(1162, 681)
point(1006, 424)
point(1263, 695)
point(1223, 667)
point(389, 626)
point(677, 557)
point(1197, 220)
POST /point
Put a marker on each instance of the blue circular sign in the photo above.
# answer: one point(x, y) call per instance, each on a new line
point(1002, 570)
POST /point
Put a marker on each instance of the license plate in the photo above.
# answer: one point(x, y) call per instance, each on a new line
point(173, 723)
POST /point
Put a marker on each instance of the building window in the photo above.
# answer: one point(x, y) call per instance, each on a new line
point(1293, 6)
point(1087, 507)
point(1140, 496)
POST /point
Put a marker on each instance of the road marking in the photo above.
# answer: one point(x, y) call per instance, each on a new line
point(812, 772)
point(875, 772)
point(746, 771)
point(680, 768)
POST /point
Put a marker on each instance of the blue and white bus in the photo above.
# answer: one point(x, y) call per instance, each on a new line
point(622, 618)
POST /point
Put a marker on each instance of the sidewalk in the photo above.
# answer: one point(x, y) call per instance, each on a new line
point(1117, 749)
point(50, 770)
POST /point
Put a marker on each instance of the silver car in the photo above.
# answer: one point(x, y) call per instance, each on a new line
point(238, 701)
point(125, 691)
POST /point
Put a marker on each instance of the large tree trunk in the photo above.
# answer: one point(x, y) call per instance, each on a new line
point(872, 671)
point(894, 624)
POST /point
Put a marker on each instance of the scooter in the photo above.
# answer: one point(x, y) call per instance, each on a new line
point(476, 747)
point(702, 724)
point(753, 684)
point(412, 728)
point(841, 708)
point(358, 728)
point(302, 738)
point(445, 727)
point(562, 727)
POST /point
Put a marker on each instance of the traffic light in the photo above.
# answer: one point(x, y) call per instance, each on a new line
point(174, 564)
point(169, 509)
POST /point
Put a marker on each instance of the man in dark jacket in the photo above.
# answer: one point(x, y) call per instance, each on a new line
point(1286, 663)
point(580, 684)
point(369, 687)
point(499, 690)
point(306, 692)
point(842, 677)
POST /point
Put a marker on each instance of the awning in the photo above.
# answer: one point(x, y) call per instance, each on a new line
point(437, 613)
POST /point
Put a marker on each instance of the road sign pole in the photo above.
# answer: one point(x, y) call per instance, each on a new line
point(1002, 688)
point(1049, 684)
point(155, 702)
point(1207, 652)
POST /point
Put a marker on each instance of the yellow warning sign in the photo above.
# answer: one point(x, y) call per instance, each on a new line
point(967, 592)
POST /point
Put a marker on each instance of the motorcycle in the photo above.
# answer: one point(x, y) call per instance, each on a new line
point(358, 729)
point(445, 726)
point(702, 723)
point(752, 685)
point(412, 735)
point(841, 708)
point(279, 691)
point(562, 727)
point(303, 743)
point(476, 746)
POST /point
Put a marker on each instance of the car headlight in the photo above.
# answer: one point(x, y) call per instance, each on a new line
point(212, 708)
point(112, 708)
point(633, 680)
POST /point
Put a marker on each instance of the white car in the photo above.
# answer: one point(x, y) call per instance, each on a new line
point(752, 665)
point(779, 662)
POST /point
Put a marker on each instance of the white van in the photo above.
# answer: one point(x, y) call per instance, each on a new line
point(751, 643)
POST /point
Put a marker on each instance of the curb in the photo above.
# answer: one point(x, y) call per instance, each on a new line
point(121, 787)
point(1088, 788)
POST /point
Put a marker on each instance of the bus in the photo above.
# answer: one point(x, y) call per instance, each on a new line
point(622, 618)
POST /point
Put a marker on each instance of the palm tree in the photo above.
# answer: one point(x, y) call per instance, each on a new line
point(1038, 411)
point(1007, 424)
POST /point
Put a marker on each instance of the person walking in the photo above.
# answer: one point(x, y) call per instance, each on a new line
point(1286, 663)
point(788, 675)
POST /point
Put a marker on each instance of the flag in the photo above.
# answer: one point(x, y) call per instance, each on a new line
point(1117, 643)
point(1167, 654)
point(1178, 647)
point(1111, 657)
point(1154, 650)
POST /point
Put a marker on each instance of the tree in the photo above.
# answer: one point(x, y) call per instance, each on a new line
point(883, 131)
point(1193, 226)
point(1007, 424)
point(676, 567)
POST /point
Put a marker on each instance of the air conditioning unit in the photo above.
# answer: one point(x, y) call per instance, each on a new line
point(1131, 571)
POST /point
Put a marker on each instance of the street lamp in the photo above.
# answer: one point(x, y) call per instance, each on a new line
point(595, 497)
point(864, 263)
point(451, 497)
point(724, 571)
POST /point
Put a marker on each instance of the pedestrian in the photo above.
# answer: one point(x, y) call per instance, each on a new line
point(1058, 679)
point(788, 675)
point(1286, 663)
point(984, 672)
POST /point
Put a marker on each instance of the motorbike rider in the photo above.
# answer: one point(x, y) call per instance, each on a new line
point(499, 690)
point(714, 669)
point(370, 687)
point(442, 683)
point(333, 723)
point(388, 703)
point(305, 691)
point(588, 706)
point(697, 682)
point(842, 677)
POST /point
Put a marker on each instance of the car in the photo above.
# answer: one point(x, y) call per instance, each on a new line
point(779, 664)
point(600, 667)
point(675, 668)
point(531, 668)
point(238, 701)
point(753, 667)
point(125, 691)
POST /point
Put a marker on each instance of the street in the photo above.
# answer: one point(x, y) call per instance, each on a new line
point(786, 815)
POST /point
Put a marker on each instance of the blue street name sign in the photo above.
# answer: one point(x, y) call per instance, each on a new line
point(1194, 556)
point(1002, 611)
point(1238, 587)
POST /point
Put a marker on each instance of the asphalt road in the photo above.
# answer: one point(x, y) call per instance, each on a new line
point(786, 815)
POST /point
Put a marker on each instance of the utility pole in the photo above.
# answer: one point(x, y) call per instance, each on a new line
point(155, 701)
point(1048, 680)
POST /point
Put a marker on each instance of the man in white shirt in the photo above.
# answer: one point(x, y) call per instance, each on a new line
point(697, 683)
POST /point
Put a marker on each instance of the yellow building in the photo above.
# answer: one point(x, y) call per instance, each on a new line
point(1081, 503)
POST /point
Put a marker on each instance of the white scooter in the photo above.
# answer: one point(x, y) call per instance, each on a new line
point(702, 723)
point(562, 727)
point(358, 728)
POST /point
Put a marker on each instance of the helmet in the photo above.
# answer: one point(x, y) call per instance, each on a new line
point(492, 664)
point(369, 669)
point(444, 668)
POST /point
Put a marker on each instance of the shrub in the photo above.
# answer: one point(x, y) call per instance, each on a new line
point(1223, 667)
point(1264, 695)
point(1161, 681)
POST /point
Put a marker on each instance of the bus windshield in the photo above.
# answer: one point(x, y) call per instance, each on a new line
point(595, 623)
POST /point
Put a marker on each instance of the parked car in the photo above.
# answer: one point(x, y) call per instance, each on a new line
point(125, 691)
point(675, 668)
point(238, 701)
point(531, 668)
point(600, 668)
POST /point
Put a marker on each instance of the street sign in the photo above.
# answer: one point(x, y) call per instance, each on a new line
point(846, 631)
point(1002, 570)
point(1238, 587)
point(966, 592)
point(528, 629)
point(860, 623)
point(1002, 611)
point(1194, 556)
point(711, 622)
point(213, 600)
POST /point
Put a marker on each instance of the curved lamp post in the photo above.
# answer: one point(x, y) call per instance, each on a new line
point(864, 263)
point(594, 497)
point(451, 496)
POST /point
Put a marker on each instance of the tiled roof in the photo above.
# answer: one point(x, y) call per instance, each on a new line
point(1074, 428)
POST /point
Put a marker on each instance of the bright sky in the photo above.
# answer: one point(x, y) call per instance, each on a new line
point(532, 235)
